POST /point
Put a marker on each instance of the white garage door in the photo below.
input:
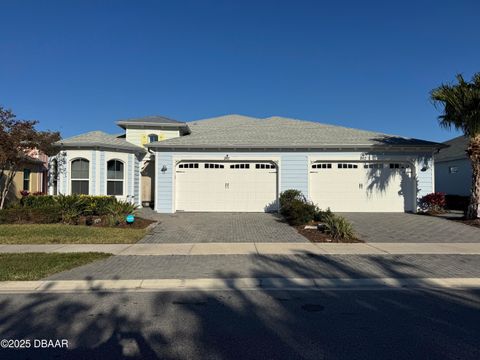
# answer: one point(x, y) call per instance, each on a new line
point(226, 186)
point(362, 187)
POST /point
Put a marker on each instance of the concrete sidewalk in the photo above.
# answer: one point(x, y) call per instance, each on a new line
point(48, 286)
point(254, 248)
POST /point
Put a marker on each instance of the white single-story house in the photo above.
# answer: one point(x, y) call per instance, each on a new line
point(453, 168)
point(237, 163)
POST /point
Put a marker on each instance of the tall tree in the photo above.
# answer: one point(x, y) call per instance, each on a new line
point(17, 139)
point(460, 105)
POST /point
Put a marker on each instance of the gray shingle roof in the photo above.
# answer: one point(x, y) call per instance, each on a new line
point(237, 131)
point(151, 120)
point(456, 150)
point(98, 139)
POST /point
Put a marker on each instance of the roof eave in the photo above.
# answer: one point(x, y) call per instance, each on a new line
point(78, 146)
point(146, 124)
point(404, 147)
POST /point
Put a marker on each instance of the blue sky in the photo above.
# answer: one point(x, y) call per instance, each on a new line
point(78, 66)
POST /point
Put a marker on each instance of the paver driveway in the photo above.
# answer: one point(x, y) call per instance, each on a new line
point(220, 227)
point(401, 227)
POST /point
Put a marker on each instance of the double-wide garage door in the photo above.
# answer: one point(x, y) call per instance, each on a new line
point(226, 186)
point(362, 187)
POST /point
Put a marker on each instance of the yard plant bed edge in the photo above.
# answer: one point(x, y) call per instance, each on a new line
point(317, 236)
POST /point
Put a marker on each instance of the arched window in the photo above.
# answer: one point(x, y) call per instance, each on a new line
point(114, 177)
point(152, 138)
point(80, 172)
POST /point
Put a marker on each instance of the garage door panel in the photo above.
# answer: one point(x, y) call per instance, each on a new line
point(229, 187)
point(361, 187)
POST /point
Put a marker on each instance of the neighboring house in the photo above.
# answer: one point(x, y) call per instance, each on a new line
point(32, 176)
point(453, 169)
point(236, 163)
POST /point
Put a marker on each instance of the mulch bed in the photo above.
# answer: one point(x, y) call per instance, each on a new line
point(317, 236)
point(139, 223)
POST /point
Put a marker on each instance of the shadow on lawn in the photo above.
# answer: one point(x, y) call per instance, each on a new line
point(250, 325)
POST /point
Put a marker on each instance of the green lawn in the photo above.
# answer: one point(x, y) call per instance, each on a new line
point(35, 266)
point(67, 234)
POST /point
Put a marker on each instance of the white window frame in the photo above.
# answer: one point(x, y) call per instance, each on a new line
point(72, 179)
point(122, 179)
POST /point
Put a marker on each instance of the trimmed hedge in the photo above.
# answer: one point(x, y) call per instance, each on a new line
point(37, 201)
point(84, 204)
point(68, 209)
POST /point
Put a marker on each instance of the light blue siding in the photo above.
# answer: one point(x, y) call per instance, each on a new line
point(164, 182)
point(130, 176)
point(64, 173)
point(136, 181)
point(425, 184)
point(102, 173)
point(454, 183)
point(293, 169)
point(93, 190)
point(294, 172)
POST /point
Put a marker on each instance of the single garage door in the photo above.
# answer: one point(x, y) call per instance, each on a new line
point(362, 187)
point(226, 186)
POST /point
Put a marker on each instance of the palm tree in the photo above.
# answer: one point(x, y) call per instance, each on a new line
point(461, 110)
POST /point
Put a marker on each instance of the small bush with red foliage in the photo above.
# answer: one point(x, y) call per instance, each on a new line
point(433, 203)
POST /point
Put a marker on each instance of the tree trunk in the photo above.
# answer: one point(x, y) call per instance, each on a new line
point(9, 177)
point(473, 152)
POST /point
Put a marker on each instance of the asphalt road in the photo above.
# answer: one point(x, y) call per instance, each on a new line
point(380, 324)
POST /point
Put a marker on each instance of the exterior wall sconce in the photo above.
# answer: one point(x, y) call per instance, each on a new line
point(226, 157)
point(424, 168)
point(164, 168)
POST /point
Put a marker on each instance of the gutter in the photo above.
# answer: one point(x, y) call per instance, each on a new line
point(159, 146)
point(79, 146)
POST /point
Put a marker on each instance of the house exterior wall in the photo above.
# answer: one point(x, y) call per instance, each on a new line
point(139, 136)
point(98, 172)
point(293, 169)
point(452, 183)
point(36, 181)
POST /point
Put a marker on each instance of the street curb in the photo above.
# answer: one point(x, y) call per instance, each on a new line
point(250, 248)
point(51, 286)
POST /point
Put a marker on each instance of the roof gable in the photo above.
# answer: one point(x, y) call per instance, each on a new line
point(456, 149)
point(99, 139)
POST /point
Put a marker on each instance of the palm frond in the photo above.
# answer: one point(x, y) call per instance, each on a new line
point(460, 105)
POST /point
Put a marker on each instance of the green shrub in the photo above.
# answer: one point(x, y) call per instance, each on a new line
point(290, 195)
point(322, 215)
point(295, 208)
point(117, 211)
point(98, 205)
point(37, 201)
point(338, 227)
point(70, 208)
point(45, 215)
